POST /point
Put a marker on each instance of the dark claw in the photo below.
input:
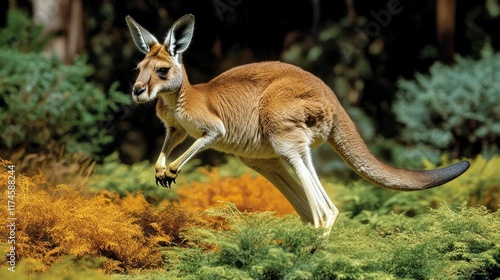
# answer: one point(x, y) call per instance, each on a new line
point(169, 181)
point(165, 182)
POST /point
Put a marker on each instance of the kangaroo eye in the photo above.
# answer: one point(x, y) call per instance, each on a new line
point(162, 72)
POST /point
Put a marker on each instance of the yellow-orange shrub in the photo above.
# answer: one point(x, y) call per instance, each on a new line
point(54, 221)
point(247, 192)
point(57, 166)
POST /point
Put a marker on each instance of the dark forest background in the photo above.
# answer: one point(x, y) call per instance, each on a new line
point(359, 48)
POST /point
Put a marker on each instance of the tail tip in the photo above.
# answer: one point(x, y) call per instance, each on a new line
point(461, 167)
point(449, 173)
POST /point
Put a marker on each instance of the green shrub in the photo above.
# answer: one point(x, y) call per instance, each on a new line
point(451, 242)
point(258, 246)
point(21, 34)
point(453, 108)
point(116, 177)
point(46, 102)
point(69, 267)
point(446, 243)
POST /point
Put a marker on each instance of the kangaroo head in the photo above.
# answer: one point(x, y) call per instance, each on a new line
point(161, 70)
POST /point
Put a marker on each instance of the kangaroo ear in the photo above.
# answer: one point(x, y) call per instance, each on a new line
point(180, 34)
point(142, 38)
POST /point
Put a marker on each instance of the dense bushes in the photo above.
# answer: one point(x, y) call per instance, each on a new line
point(47, 102)
point(257, 245)
point(197, 189)
point(453, 108)
point(21, 34)
point(447, 243)
point(52, 227)
point(68, 230)
point(56, 221)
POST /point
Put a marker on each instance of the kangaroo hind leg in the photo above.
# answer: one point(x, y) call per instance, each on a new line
point(275, 172)
point(324, 212)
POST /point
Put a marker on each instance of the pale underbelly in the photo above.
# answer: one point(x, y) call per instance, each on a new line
point(246, 149)
point(249, 149)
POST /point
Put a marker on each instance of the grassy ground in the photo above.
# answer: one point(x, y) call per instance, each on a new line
point(451, 232)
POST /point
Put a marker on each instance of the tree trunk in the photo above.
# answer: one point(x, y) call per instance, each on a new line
point(445, 30)
point(351, 11)
point(64, 20)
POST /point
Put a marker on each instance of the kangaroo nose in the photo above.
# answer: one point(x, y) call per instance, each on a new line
point(139, 88)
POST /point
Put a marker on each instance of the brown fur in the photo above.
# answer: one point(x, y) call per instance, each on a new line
point(267, 114)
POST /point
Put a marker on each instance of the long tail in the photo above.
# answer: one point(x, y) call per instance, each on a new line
point(350, 146)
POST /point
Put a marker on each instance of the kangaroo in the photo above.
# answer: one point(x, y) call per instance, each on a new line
point(268, 114)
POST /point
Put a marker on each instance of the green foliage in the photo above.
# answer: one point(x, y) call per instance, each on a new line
point(447, 243)
point(258, 246)
point(47, 102)
point(457, 240)
point(116, 177)
point(480, 185)
point(453, 108)
point(21, 34)
point(69, 267)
